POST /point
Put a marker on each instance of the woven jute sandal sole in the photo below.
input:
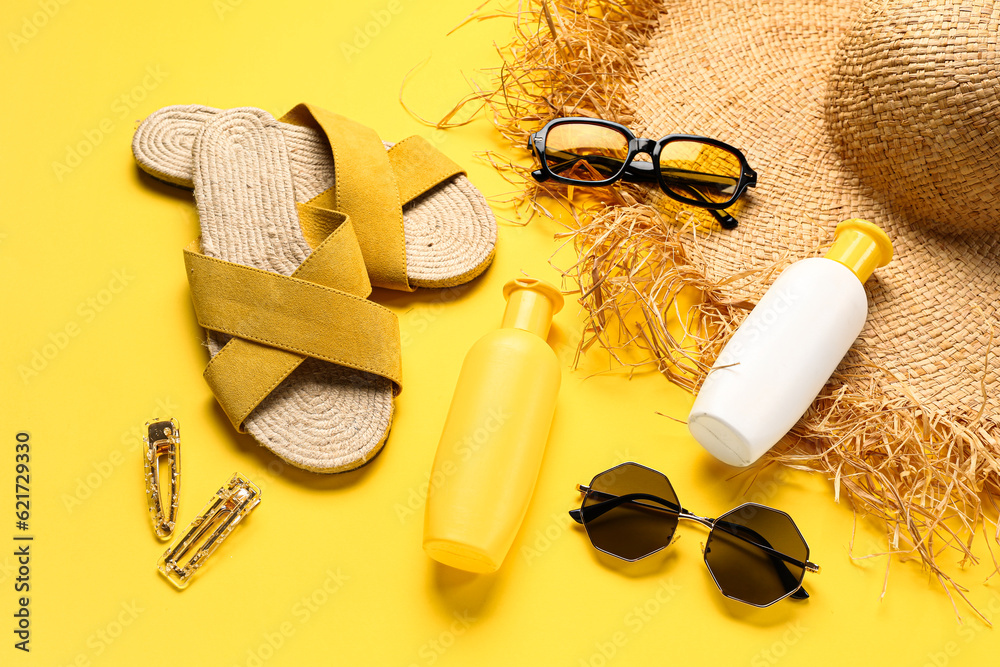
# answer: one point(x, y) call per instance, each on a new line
point(322, 417)
point(450, 232)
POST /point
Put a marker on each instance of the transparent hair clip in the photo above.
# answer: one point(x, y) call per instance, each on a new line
point(163, 442)
point(231, 504)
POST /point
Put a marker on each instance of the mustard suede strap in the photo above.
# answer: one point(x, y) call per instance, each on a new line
point(365, 189)
point(321, 311)
point(418, 167)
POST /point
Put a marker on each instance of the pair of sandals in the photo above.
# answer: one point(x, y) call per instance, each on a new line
point(299, 218)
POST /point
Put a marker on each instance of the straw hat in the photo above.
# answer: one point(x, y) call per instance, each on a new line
point(887, 110)
point(883, 110)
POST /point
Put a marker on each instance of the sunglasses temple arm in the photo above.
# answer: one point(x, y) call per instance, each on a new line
point(538, 174)
point(725, 220)
point(644, 172)
point(757, 541)
point(599, 509)
point(799, 593)
point(569, 160)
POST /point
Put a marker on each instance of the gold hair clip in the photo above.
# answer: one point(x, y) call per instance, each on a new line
point(229, 506)
point(163, 447)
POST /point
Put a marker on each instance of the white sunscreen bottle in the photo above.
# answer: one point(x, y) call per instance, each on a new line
point(787, 348)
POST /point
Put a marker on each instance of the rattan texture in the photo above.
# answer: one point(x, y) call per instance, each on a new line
point(886, 111)
point(450, 232)
point(322, 417)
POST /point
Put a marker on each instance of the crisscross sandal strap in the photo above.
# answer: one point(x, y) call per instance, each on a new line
point(365, 189)
point(276, 321)
point(419, 167)
point(372, 184)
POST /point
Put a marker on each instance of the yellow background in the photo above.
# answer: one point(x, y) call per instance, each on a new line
point(329, 569)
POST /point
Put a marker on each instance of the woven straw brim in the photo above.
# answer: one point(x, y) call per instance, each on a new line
point(450, 232)
point(763, 89)
point(322, 417)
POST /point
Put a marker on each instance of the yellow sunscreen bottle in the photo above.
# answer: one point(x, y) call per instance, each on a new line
point(491, 448)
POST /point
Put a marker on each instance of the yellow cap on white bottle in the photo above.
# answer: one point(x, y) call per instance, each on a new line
point(860, 246)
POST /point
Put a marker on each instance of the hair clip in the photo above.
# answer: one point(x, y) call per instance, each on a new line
point(163, 446)
point(208, 530)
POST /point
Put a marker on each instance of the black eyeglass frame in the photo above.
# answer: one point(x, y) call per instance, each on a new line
point(644, 172)
point(578, 515)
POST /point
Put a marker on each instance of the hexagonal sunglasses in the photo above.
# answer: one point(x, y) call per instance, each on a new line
point(755, 553)
point(695, 170)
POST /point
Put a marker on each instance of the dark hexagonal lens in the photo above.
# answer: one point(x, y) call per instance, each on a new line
point(630, 512)
point(756, 554)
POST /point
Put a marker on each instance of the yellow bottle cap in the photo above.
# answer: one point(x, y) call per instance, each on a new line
point(860, 246)
point(530, 305)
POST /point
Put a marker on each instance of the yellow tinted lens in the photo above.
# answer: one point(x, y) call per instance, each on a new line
point(585, 152)
point(700, 173)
